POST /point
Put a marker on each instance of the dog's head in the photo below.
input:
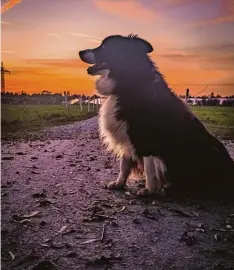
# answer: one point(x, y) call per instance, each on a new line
point(114, 52)
point(116, 55)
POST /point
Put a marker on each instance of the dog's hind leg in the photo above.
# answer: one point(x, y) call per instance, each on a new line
point(155, 179)
point(125, 170)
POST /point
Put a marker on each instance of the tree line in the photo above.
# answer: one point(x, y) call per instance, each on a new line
point(46, 97)
point(43, 98)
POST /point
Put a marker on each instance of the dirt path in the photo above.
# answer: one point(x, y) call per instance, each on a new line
point(81, 225)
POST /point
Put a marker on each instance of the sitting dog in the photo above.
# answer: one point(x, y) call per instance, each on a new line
point(145, 124)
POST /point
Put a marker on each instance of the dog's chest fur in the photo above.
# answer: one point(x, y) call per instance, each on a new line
point(113, 131)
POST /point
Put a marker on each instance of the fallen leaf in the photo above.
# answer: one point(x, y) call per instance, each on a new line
point(136, 221)
point(59, 156)
point(20, 153)
point(25, 221)
point(223, 230)
point(147, 214)
point(195, 214)
point(39, 195)
point(44, 245)
point(114, 224)
point(108, 243)
point(33, 214)
point(188, 238)
point(12, 255)
point(200, 230)
point(160, 213)
point(42, 223)
point(34, 172)
point(62, 229)
point(7, 158)
point(70, 231)
point(71, 255)
point(56, 246)
point(44, 265)
point(90, 241)
point(98, 217)
point(121, 209)
point(102, 260)
point(45, 202)
point(177, 211)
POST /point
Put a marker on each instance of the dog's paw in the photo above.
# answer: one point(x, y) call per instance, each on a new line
point(143, 192)
point(115, 185)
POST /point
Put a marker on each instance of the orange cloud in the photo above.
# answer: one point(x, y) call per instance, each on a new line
point(5, 23)
point(10, 4)
point(226, 14)
point(10, 52)
point(55, 75)
point(34, 79)
point(91, 38)
point(78, 34)
point(127, 9)
point(183, 2)
point(213, 21)
point(211, 62)
point(59, 63)
point(67, 74)
point(55, 35)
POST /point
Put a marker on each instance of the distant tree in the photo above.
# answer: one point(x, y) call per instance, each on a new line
point(23, 93)
point(46, 92)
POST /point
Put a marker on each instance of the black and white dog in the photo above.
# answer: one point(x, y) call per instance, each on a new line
point(143, 122)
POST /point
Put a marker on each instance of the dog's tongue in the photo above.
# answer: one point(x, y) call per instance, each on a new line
point(92, 70)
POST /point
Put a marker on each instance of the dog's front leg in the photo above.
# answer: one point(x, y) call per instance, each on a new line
point(154, 169)
point(125, 170)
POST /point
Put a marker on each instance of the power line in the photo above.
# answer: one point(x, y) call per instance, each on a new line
point(201, 90)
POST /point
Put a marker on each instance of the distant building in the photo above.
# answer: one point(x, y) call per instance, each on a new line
point(202, 101)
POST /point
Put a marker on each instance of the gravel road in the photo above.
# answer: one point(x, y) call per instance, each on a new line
point(57, 213)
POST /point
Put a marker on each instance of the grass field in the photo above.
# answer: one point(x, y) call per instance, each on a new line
point(33, 117)
point(219, 120)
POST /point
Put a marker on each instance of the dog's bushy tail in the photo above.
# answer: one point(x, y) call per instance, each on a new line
point(137, 169)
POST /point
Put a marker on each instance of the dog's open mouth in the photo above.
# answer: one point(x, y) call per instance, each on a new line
point(97, 69)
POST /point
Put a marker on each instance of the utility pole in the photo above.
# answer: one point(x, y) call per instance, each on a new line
point(66, 94)
point(186, 96)
point(3, 72)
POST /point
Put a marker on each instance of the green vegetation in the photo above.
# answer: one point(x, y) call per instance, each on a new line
point(219, 120)
point(33, 117)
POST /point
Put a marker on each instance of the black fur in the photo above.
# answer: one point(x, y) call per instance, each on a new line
point(160, 124)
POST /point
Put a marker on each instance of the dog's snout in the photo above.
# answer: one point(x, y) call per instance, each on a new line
point(81, 54)
point(87, 56)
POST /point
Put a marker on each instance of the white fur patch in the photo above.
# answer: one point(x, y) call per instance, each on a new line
point(155, 170)
point(105, 85)
point(113, 131)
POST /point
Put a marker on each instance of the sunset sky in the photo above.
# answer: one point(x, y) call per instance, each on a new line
point(193, 41)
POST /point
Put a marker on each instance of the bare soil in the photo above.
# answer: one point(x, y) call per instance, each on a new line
point(57, 213)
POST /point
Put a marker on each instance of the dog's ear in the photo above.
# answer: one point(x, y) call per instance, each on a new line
point(145, 45)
